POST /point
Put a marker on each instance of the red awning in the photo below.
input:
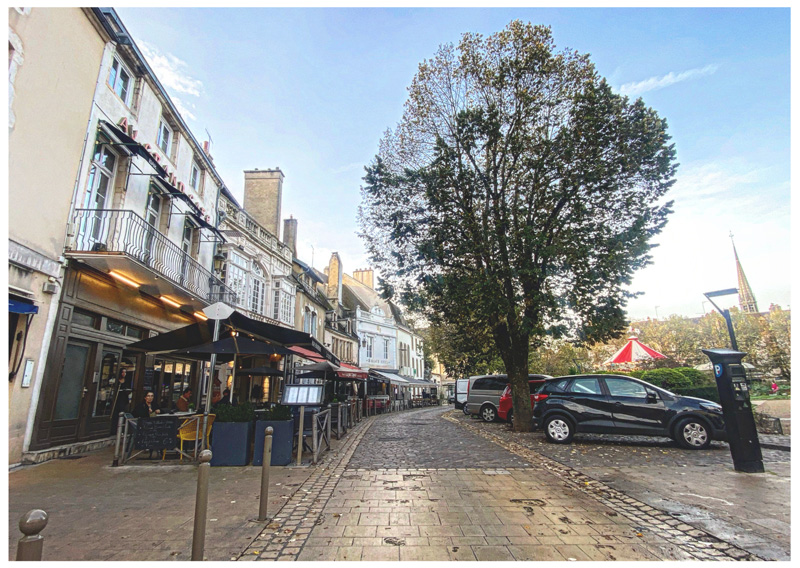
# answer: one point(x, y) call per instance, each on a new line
point(306, 353)
point(351, 372)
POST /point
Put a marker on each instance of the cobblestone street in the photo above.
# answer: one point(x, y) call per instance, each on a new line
point(456, 491)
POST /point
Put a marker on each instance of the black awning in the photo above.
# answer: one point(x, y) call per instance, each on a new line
point(201, 333)
point(130, 145)
point(206, 225)
point(173, 193)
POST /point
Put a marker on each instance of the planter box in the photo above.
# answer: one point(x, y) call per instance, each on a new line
point(230, 443)
point(282, 441)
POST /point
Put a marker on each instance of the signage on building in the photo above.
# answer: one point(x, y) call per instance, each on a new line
point(26, 258)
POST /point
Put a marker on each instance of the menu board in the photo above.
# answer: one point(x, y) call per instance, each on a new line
point(302, 395)
point(156, 433)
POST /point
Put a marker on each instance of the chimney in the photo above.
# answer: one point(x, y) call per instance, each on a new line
point(262, 197)
point(365, 276)
point(290, 234)
point(334, 270)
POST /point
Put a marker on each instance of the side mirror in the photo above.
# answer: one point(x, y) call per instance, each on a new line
point(652, 398)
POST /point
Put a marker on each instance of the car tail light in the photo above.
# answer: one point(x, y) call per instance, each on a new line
point(538, 397)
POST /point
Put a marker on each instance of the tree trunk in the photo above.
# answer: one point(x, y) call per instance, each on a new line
point(514, 352)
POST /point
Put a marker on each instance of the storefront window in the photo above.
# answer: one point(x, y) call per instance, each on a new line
point(104, 398)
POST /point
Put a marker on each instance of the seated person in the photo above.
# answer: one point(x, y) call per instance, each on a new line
point(182, 404)
point(226, 398)
point(147, 408)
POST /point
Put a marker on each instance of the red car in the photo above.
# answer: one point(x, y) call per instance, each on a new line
point(504, 410)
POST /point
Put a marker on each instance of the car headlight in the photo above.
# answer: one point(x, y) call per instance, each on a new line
point(711, 406)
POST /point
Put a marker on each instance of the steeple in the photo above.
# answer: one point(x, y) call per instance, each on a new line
point(747, 301)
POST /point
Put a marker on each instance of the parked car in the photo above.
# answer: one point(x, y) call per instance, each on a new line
point(451, 399)
point(483, 395)
point(462, 386)
point(617, 404)
point(504, 408)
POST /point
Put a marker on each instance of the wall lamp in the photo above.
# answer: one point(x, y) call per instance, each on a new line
point(123, 279)
point(170, 302)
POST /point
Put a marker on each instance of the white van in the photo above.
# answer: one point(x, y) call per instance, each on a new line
point(462, 386)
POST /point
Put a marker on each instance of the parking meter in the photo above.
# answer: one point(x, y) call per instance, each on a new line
point(734, 396)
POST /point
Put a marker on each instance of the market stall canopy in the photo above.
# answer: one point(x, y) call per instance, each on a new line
point(202, 332)
point(632, 352)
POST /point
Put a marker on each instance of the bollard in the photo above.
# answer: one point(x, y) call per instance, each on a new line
point(120, 422)
point(265, 463)
point(31, 524)
point(201, 506)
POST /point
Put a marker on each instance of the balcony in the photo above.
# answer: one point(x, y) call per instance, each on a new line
point(113, 239)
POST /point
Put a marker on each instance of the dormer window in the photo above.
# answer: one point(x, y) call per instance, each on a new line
point(121, 81)
point(377, 311)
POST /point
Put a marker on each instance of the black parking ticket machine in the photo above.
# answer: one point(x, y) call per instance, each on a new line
point(734, 396)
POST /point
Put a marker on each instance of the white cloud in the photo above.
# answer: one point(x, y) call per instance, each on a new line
point(656, 83)
point(183, 108)
point(171, 71)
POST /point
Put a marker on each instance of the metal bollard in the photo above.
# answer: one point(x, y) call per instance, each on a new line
point(120, 422)
point(31, 524)
point(201, 506)
point(265, 463)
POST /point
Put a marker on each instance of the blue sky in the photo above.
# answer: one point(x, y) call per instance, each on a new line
point(312, 90)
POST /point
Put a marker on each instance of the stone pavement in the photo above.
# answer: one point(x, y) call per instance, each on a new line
point(505, 503)
point(698, 488)
point(142, 511)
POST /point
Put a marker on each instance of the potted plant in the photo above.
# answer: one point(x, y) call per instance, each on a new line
point(280, 418)
point(232, 434)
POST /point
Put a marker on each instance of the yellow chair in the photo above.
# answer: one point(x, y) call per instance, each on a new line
point(188, 431)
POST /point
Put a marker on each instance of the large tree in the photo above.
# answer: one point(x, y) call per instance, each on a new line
point(518, 194)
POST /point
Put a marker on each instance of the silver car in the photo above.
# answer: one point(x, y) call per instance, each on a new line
point(483, 396)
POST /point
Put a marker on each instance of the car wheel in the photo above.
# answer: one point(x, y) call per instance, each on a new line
point(558, 430)
point(510, 418)
point(464, 408)
point(693, 434)
point(488, 413)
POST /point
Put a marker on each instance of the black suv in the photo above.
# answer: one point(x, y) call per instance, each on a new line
point(617, 404)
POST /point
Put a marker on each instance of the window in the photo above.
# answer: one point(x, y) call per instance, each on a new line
point(196, 178)
point(385, 348)
point(101, 177)
point(236, 276)
point(283, 307)
point(369, 347)
point(623, 387)
point(119, 79)
point(258, 290)
point(585, 386)
point(164, 137)
point(84, 318)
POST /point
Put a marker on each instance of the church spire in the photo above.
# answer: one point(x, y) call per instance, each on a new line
point(747, 301)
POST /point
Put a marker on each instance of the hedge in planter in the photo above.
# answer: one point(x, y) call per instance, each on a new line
point(280, 418)
point(232, 434)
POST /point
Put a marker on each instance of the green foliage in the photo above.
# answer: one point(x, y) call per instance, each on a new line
point(517, 196)
point(229, 413)
point(276, 413)
point(667, 378)
point(696, 378)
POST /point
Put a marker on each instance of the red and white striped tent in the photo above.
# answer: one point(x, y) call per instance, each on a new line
point(633, 352)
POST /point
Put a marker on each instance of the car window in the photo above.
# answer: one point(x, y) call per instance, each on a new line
point(585, 386)
point(479, 384)
point(498, 384)
point(624, 387)
point(557, 386)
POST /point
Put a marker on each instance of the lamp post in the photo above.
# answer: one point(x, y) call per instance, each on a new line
point(725, 313)
point(216, 312)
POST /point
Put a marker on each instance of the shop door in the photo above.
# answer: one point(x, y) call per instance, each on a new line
point(71, 403)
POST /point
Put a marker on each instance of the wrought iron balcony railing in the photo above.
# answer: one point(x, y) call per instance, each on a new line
point(122, 231)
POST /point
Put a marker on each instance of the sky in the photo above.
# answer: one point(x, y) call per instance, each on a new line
point(312, 91)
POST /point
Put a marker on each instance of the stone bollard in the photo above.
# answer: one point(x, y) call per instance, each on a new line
point(201, 506)
point(265, 463)
point(31, 524)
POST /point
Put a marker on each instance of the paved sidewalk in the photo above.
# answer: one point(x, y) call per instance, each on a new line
point(144, 511)
point(539, 511)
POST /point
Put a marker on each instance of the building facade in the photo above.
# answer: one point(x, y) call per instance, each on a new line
point(138, 251)
point(69, 44)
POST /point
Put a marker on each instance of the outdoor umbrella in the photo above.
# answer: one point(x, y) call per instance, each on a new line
point(230, 346)
point(324, 366)
point(632, 352)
